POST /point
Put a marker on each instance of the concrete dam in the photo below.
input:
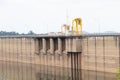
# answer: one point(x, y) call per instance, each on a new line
point(59, 57)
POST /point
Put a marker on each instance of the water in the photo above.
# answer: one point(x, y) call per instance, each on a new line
point(25, 71)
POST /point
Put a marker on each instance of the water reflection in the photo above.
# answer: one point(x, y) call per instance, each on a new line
point(68, 74)
point(16, 71)
point(21, 71)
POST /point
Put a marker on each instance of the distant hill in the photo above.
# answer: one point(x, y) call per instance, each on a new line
point(12, 33)
point(85, 32)
point(5, 33)
point(102, 33)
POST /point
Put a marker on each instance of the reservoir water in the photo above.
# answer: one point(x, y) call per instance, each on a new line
point(20, 71)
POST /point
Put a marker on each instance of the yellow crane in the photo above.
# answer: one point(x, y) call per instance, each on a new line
point(77, 27)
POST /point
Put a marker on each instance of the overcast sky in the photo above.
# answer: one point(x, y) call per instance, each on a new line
point(43, 16)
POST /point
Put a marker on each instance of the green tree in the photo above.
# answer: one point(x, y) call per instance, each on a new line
point(31, 32)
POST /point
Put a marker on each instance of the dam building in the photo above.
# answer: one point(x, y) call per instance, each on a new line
point(65, 57)
point(60, 57)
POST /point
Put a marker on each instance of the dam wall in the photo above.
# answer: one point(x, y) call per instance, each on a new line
point(17, 49)
point(101, 53)
point(93, 53)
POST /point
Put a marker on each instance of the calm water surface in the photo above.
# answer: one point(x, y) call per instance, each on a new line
point(21, 71)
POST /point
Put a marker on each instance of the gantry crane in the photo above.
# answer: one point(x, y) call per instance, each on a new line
point(76, 27)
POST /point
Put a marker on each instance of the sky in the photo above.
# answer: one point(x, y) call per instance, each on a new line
point(43, 16)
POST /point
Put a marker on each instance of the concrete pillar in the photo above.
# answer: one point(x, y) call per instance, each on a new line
point(69, 45)
point(59, 46)
point(66, 46)
point(44, 46)
point(51, 46)
point(36, 44)
point(40, 44)
point(73, 47)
